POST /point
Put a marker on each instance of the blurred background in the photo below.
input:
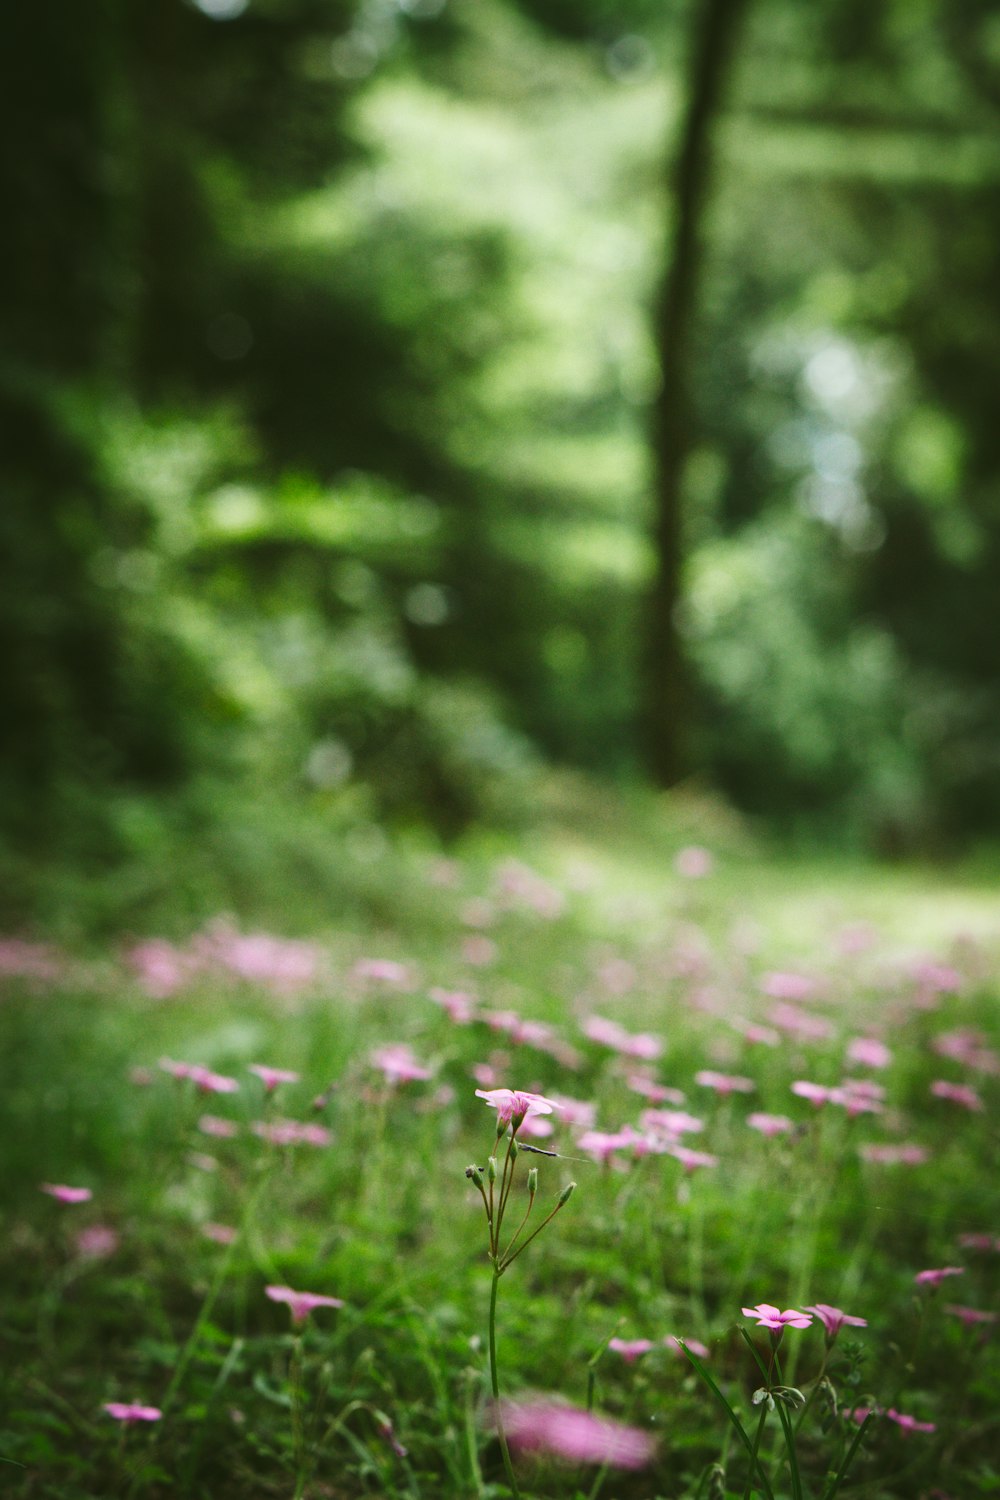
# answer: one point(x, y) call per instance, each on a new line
point(401, 397)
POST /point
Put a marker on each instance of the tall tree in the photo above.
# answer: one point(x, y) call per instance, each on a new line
point(664, 706)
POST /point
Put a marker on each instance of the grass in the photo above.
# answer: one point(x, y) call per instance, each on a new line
point(389, 1395)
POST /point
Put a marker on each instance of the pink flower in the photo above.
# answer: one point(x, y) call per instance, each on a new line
point(512, 1105)
point(935, 1278)
point(833, 1320)
point(603, 1144)
point(577, 1113)
point(725, 1083)
point(859, 1413)
point(220, 1234)
point(671, 1122)
point(398, 1064)
point(817, 1093)
point(271, 1077)
point(781, 986)
point(799, 1023)
point(768, 1316)
point(131, 1411)
point(479, 950)
point(970, 1315)
point(212, 1083)
point(764, 1036)
point(534, 1128)
point(97, 1241)
point(223, 1130)
point(456, 1004)
point(630, 1349)
point(383, 971)
point(958, 1093)
point(694, 862)
point(547, 1426)
point(300, 1304)
point(905, 1154)
point(291, 1133)
point(770, 1125)
point(64, 1194)
point(909, 1424)
point(641, 1044)
point(979, 1242)
point(868, 1053)
point(692, 1160)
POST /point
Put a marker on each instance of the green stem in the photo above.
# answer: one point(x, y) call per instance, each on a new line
point(754, 1460)
point(793, 1463)
point(495, 1381)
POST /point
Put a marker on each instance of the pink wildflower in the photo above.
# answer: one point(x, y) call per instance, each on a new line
point(905, 1154)
point(763, 1036)
point(725, 1083)
point(692, 1160)
point(219, 1234)
point(398, 1064)
point(799, 1023)
point(65, 1194)
point(630, 1349)
point(833, 1320)
point(456, 1004)
point(671, 1122)
point(534, 1128)
point(909, 1424)
point(97, 1241)
point(300, 1304)
point(291, 1133)
point(271, 1077)
point(512, 1105)
point(160, 967)
point(641, 1082)
point(640, 1044)
point(577, 1113)
point(479, 950)
point(546, 1426)
point(768, 1316)
point(935, 1278)
point(970, 1315)
point(602, 1145)
point(784, 986)
point(979, 1242)
point(958, 1093)
point(694, 862)
point(817, 1093)
point(868, 1053)
point(131, 1411)
point(383, 971)
point(211, 1083)
point(770, 1125)
point(214, 1125)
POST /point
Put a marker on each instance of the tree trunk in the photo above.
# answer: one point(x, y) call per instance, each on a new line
point(665, 706)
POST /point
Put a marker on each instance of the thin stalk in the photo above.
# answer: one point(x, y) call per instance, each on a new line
point(754, 1460)
point(495, 1381)
point(838, 1478)
point(793, 1462)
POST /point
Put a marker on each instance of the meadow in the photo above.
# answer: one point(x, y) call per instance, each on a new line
point(251, 1208)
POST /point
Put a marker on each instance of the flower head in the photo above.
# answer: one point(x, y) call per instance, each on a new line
point(547, 1426)
point(970, 1315)
point(935, 1277)
point(131, 1411)
point(65, 1194)
point(770, 1125)
point(271, 1077)
point(771, 1317)
point(300, 1304)
point(724, 1083)
point(513, 1105)
point(630, 1349)
point(833, 1320)
point(909, 1424)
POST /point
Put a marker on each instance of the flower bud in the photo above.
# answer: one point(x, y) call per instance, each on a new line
point(474, 1175)
point(491, 1169)
point(566, 1194)
point(514, 1148)
point(533, 1182)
